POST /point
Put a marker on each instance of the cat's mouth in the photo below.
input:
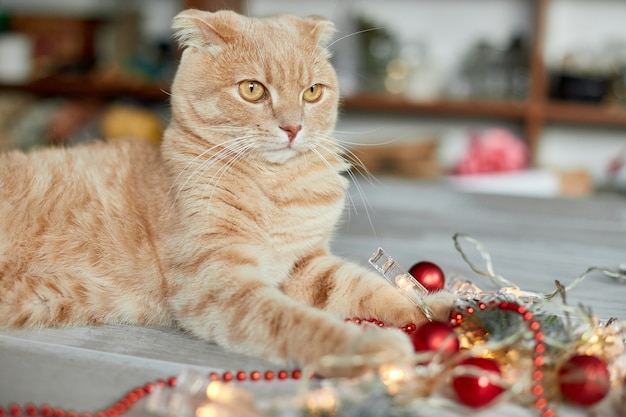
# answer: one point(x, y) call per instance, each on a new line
point(282, 153)
point(280, 156)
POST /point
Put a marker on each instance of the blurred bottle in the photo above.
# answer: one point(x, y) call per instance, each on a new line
point(424, 79)
point(377, 49)
point(492, 72)
point(15, 58)
point(484, 71)
point(617, 52)
point(517, 68)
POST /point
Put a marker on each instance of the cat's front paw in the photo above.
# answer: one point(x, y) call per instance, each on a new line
point(376, 346)
point(385, 344)
point(441, 303)
point(402, 311)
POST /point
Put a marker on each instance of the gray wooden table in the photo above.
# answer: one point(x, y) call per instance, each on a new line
point(532, 242)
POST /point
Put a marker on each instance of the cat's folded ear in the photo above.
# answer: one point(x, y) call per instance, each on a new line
point(322, 29)
point(201, 29)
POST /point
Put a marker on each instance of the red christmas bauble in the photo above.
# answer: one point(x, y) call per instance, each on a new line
point(435, 336)
point(584, 379)
point(429, 275)
point(477, 391)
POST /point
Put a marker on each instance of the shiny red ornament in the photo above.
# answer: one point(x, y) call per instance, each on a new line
point(435, 336)
point(584, 379)
point(477, 391)
point(429, 275)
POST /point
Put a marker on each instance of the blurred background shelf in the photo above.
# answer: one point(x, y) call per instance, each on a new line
point(553, 111)
point(97, 88)
point(382, 102)
point(586, 114)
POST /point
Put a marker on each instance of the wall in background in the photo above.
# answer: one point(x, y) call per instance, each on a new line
point(590, 27)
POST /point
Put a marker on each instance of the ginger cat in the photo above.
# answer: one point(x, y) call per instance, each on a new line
point(224, 230)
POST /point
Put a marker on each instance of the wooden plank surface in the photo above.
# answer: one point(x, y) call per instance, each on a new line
point(532, 242)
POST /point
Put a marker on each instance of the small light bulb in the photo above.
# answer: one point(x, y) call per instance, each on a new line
point(390, 374)
point(209, 410)
point(215, 390)
point(229, 394)
point(396, 377)
point(322, 400)
point(403, 282)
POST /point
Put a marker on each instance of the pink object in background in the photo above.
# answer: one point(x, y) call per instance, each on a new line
point(495, 150)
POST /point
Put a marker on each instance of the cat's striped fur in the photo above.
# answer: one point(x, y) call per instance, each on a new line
point(224, 229)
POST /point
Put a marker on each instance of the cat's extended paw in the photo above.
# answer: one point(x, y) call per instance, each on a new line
point(403, 311)
point(387, 344)
point(380, 345)
point(441, 303)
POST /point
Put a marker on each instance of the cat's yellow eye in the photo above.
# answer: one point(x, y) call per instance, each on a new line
point(251, 90)
point(313, 93)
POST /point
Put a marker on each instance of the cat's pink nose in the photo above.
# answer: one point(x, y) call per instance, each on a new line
point(292, 131)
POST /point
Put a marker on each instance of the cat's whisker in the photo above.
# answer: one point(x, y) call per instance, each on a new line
point(325, 52)
point(354, 132)
point(366, 204)
point(204, 167)
point(227, 128)
point(333, 170)
point(201, 171)
point(219, 157)
point(261, 55)
point(360, 167)
point(352, 158)
point(359, 32)
point(332, 152)
point(236, 154)
point(339, 158)
point(184, 170)
point(194, 160)
point(366, 144)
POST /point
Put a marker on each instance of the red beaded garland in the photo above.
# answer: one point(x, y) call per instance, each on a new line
point(31, 409)
point(123, 405)
point(15, 410)
point(409, 328)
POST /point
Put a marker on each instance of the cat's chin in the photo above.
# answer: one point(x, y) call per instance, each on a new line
point(279, 156)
